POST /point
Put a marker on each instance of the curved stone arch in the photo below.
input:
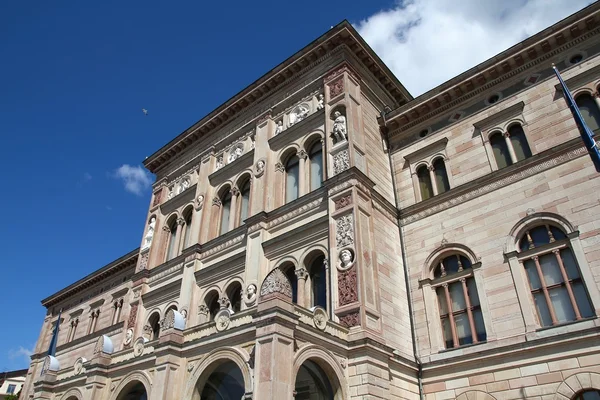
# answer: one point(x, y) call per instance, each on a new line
point(340, 106)
point(169, 305)
point(74, 392)
point(171, 217)
point(475, 395)
point(328, 362)
point(210, 289)
point(189, 207)
point(211, 361)
point(231, 281)
point(312, 249)
point(140, 376)
point(512, 122)
point(242, 177)
point(155, 310)
point(441, 252)
point(533, 220)
point(285, 260)
point(309, 140)
point(420, 164)
point(494, 131)
point(577, 383)
point(437, 156)
point(583, 90)
point(222, 189)
point(287, 152)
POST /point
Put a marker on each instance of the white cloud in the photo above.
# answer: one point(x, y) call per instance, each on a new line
point(426, 42)
point(21, 352)
point(136, 179)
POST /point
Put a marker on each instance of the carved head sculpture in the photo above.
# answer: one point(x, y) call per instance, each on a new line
point(337, 114)
point(346, 258)
point(251, 290)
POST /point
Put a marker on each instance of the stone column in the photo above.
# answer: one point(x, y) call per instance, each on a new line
point(433, 182)
point(302, 274)
point(233, 211)
point(302, 157)
point(511, 151)
point(179, 236)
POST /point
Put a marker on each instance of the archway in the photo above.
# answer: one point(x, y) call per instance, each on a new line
point(312, 383)
point(224, 381)
point(134, 390)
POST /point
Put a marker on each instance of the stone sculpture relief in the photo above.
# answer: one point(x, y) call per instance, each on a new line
point(320, 318)
point(298, 114)
point(346, 259)
point(149, 233)
point(235, 153)
point(132, 315)
point(260, 167)
point(347, 287)
point(350, 320)
point(344, 235)
point(78, 366)
point(219, 162)
point(320, 104)
point(339, 127)
point(250, 297)
point(276, 283)
point(224, 302)
point(199, 202)
point(222, 320)
point(128, 337)
point(279, 128)
point(183, 185)
point(138, 347)
point(341, 161)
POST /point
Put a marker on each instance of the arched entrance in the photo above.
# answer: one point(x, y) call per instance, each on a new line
point(312, 383)
point(134, 390)
point(224, 382)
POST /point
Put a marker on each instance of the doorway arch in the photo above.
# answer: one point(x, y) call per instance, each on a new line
point(318, 375)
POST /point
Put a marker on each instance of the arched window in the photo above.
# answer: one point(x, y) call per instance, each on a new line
point(589, 111)
point(500, 148)
point(441, 176)
point(134, 390)
point(225, 382)
point(519, 142)
point(172, 249)
point(316, 166)
point(425, 185)
point(187, 242)
point(225, 211)
point(245, 202)
point(154, 322)
point(458, 300)
point(588, 395)
point(212, 303)
point(557, 289)
point(312, 383)
point(234, 294)
point(318, 282)
point(289, 271)
point(292, 176)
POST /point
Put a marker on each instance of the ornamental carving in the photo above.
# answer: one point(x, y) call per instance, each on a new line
point(343, 202)
point(344, 235)
point(157, 197)
point(341, 161)
point(138, 347)
point(350, 320)
point(250, 295)
point(168, 321)
point(78, 366)
point(347, 287)
point(203, 309)
point(199, 202)
point(346, 259)
point(143, 262)
point(320, 318)
point(301, 273)
point(279, 167)
point(263, 118)
point(224, 302)
point(276, 283)
point(222, 320)
point(336, 87)
point(259, 168)
point(216, 201)
point(128, 337)
point(132, 315)
point(235, 152)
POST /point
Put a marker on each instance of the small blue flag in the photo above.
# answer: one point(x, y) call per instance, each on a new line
point(584, 130)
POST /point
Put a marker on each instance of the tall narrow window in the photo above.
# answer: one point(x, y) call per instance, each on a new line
point(225, 211)
point(154, 325)
point(212, 303)
point(245, 202)
point(458, 300)
point(172, 249)
point(288, 271)
point(557, 289)
point(501, 153)
point(187, 236)
point(292, 174)
point(519, 142)
point(316, 166)
point(318, 280)
point(589, 111)
point(424, 183)
point(234, 293)
point(441, 176)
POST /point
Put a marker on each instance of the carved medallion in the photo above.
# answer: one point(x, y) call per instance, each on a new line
point(320, 318)
point(128, 337)
point(222, 319)
point(138, 347)
point(78, 366)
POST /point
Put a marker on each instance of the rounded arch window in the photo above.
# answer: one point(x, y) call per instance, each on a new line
point(458, 301)
point(133, 391)
point(225, 210)
point(234, 294)
point(245, 201)
point(316, 165)
point(224, 382)
point(318, 281)
point(312, 382)
point(212, 303)
point(500, 150)
point(154, 322)
point(187, 216)
point(172, 248)
point(555, 282)
point(425, 186)
point(290, 272)
point(441, 175)
point(518, 142)
point(589, 111)
point(592, 394)
point(292, 178)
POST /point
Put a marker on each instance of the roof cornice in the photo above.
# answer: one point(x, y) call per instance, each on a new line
point(501, 67)
point(342, 34)
point(128, 260)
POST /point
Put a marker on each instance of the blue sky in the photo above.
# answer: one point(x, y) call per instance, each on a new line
point(74, 79)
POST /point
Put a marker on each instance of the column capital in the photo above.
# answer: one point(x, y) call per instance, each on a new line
point(301, 273)
point(235, 191)
point(302, 154)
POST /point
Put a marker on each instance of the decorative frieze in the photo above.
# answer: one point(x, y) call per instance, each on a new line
point(343, 201)
point(344, 235)
point(143, 262)
point(347, 286)
point(132, 316)
point(350, 320)
point(336, 87)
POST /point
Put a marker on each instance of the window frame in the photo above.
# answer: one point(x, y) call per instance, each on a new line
point(426, 157)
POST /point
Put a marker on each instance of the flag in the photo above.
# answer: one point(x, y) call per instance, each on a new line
point(52, 348)
point(584, 131)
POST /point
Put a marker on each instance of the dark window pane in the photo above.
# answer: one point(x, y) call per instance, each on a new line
point(519, 142)
point(582, 300)
point(441, 294)
point(472, 290)
point(589, 111)
point(463, 329)
point(501, 154)
point(292, 190)
point(424, 183)
point(225, 212)
point(542, 309)
point(479, 325)
point(557, 233)
point(550, 269)
point(447, 332)
point(562, 304)
point(457, 295)
point(589, 395)
point(441, 176)
point(569, 262)
point(539, 236)
point(532, 274)
point(316, 167)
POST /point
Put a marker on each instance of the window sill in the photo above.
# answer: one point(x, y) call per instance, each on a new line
point(464, 346)
point(565, 324)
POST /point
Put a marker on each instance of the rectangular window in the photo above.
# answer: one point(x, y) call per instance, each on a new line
point(11, 389)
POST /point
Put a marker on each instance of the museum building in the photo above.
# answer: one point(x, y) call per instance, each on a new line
point(325, 235)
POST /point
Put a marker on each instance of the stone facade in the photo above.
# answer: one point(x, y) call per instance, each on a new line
point(325, 235)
